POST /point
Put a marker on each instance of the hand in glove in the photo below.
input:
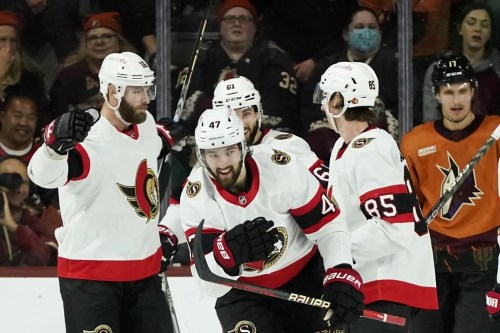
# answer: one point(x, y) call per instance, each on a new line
point(172, 134)
point(247, 242)
point(168, 246)
point(493, 303)
point(342, 288)
point(63, 133)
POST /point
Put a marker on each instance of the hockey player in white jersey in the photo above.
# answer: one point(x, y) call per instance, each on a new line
point(391, 246)
point(105, 169)
point(240, 94)
point(262, 228)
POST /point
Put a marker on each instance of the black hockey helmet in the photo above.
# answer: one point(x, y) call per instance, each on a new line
point(450, 69)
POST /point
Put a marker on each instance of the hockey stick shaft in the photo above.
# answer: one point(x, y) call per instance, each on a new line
point(194, 57)
point(462, 176)
point(170, 302)
point(204, 273)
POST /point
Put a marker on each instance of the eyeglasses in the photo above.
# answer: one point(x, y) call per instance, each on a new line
point(243, 19)
point(105, 38)
point(5, 40)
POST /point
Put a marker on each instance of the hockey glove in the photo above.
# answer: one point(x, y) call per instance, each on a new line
point(64, 132)
point(493, 303)
point(247, 242)
point(168, 246)
point(172, 134)
point(342, 288)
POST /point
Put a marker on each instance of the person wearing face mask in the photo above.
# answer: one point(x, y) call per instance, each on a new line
point(362, 38)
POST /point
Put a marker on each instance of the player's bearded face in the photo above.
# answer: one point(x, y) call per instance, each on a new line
point(225, 165)
point(250, 119)
point(134, 105)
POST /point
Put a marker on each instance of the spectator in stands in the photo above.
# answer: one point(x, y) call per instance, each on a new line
point(16, 74)
point(18, 118)
point(303, 28)
point(77, 85)
point(362, 38)
point(25, 239)
point(430, 37)
point(45, 22)
point(474, 25)
point(241, 52)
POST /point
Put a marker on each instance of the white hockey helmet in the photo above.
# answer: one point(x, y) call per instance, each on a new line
point(219, 127)
point(123, 70)
point(237, 93)
point(356, 81)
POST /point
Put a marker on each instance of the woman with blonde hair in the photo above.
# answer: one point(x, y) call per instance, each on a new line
point(77, 85)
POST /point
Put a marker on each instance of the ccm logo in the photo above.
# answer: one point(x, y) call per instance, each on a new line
point(222, 250)
point(342, 276)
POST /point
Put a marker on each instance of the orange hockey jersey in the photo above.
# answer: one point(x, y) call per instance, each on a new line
point(465, 229)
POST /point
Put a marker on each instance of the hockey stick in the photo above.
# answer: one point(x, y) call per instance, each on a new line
point(206, 274)
point(170, 302)
point(194, 57)
point(463, 175)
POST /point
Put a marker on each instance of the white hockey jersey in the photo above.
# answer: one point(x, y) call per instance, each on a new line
point(110, 213)
point(391, 249)
point(281, 190)
point(298, 147)
point(282, 141)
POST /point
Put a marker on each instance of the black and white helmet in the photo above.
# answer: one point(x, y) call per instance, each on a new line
point(237, 93)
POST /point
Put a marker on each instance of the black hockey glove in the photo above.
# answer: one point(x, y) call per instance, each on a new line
point(493, 303)
point(247, 242)
point(172, 134)
point(342, 288)
point(168, 246)
point(64, 132)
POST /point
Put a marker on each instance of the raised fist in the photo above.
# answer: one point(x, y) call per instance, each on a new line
point(64, 132)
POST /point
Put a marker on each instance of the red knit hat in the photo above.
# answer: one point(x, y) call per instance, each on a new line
point(228, 4)
point(10, 18)
point(110, 20)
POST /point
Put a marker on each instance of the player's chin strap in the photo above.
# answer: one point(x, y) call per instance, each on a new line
point(115, 108)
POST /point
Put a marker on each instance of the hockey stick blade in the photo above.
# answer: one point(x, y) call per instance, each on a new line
point(206, 274)
point(462, 176)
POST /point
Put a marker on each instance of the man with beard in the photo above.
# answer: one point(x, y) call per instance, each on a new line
point(464, 231)
point(264, 229)
point(106, 171)
point(240, 95)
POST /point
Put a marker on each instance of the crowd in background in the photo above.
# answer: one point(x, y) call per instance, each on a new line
point(51, 51)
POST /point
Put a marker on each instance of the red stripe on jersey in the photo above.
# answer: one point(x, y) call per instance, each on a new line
point(109, 270)
point(393, 189)
point(317, 226)
point(400, 292)
point(85, 162)
point(310, 205)
point(282, 276)
point(173, 201)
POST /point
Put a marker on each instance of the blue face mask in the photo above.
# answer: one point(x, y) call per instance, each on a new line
point(364, 40)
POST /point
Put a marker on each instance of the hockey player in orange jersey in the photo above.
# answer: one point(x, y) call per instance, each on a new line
point(464, 232)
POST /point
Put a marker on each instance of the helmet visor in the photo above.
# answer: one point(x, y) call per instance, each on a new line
point(319, 95)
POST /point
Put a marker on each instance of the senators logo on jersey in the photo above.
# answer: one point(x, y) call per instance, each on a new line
point(144, 196)
point(244, 326)
point(279, 249)
point(280, 157)
point(192, 189)
point(283, 136)
point(360, 143)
